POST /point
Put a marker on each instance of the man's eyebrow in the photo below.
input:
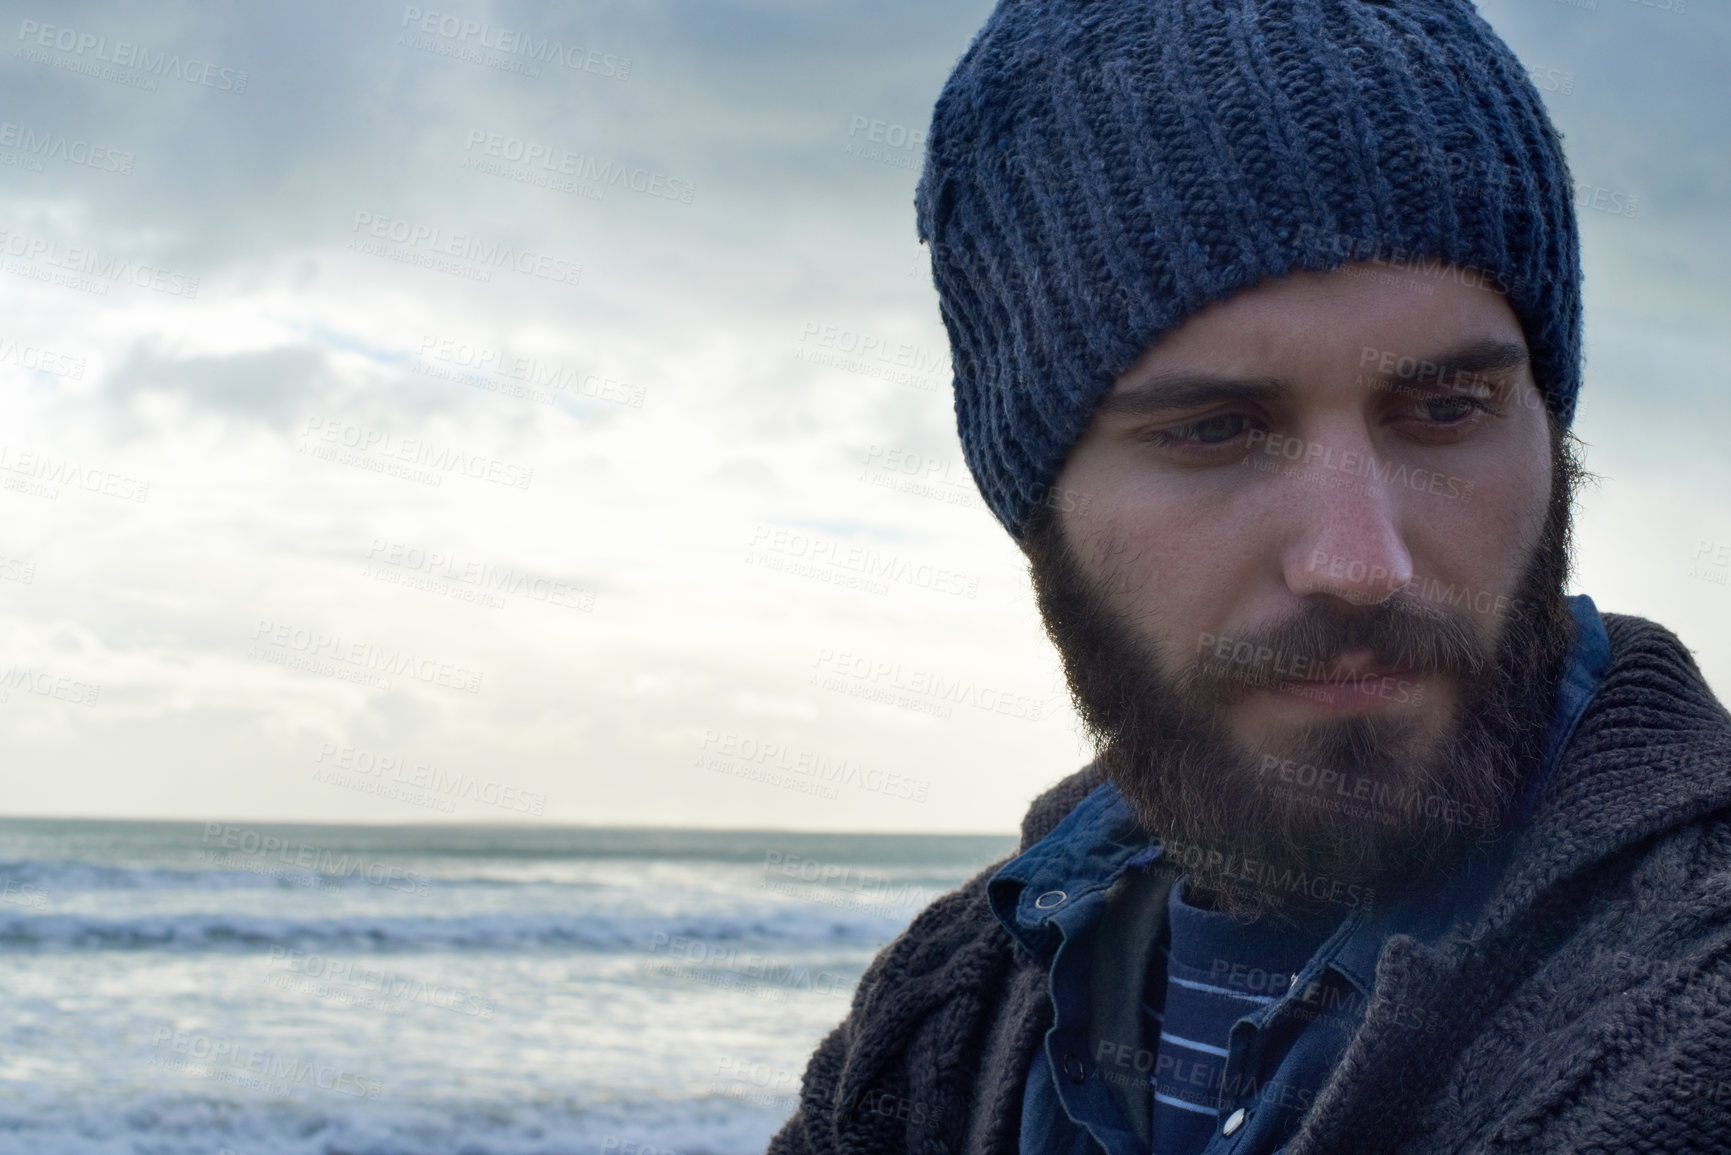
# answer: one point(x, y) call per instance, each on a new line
point(1179, 390)
point(1445, 370)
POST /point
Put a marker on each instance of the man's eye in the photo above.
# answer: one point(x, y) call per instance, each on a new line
point(1452, 410)
point(1209, 431)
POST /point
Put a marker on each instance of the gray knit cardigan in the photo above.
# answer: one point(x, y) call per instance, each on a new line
point(1587, 1010)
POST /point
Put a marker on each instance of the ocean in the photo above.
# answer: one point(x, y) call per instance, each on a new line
point(252, 989)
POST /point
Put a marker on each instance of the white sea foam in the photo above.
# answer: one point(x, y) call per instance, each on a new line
point(379, 932)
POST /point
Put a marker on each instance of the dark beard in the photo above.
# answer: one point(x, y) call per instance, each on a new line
point(1345, 807)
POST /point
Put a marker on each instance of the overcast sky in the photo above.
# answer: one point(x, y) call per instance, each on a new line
point(368, 456)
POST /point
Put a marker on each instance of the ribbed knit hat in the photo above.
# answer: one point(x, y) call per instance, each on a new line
point(1099, 170)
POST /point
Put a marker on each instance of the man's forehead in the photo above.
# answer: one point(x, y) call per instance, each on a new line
point(1272, 328)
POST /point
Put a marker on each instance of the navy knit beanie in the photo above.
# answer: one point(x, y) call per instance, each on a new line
point(1099, 170)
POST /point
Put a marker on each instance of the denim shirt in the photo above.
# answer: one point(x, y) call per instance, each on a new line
point(1050, 899)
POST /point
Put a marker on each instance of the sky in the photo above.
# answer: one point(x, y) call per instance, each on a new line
point(369, 455)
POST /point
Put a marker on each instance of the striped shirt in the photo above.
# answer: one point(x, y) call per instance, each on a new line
point(1217, 969)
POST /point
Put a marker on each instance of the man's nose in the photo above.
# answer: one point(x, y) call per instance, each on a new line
point(1346, 539)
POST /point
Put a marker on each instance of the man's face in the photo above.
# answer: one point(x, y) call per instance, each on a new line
point(1311, 604)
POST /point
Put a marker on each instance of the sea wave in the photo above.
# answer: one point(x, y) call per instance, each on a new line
point(240, 1124)
point(221, 871)
point(217, 931)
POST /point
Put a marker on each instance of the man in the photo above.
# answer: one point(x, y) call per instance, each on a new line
point(1265, 318)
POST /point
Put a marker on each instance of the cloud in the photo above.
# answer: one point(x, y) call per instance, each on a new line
point(272, 387)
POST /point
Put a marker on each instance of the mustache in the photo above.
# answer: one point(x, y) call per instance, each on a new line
point(1402, 634)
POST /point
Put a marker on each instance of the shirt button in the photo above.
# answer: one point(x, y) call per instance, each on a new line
point(1233, 1122)
point(1075, 1069)
point(1050, 899)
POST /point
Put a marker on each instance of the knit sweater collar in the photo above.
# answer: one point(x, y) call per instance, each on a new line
point(1647, 756)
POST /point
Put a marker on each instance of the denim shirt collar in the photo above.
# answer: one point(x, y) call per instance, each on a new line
point(1086, 852)
point(1100, 839)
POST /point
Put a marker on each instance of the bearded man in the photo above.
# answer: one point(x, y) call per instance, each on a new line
point(1266, 324)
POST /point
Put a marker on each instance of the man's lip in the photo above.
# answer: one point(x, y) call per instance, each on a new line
point(1356, 665)
point(1352, 682)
